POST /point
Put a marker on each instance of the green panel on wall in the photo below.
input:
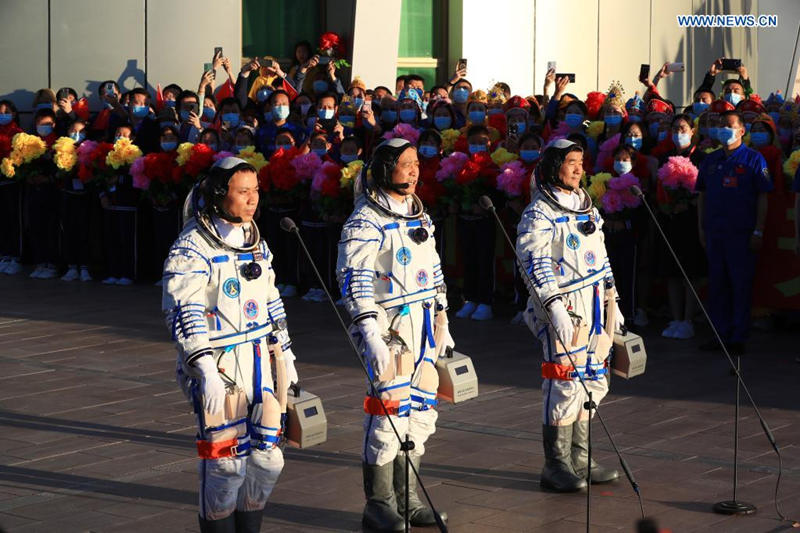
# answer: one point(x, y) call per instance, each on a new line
point(273, 28)
point(417, 29)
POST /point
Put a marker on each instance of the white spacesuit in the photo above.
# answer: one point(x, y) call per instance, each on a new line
point(391, 282)
point(560, 241)
point(223, 310)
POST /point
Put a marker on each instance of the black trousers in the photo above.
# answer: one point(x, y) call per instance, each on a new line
point(476, 235)
point(75, 213)
point(166, 227)
point(322, 239)
point(282, 244)
point(40, 222)
point(10, 200)
point(621, 250)
point(119, 225)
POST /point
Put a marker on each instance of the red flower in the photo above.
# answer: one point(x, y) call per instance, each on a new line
point(480, 165)
point(461, 144)
point(263, 178)
point(99, 154)
point(200, 160)
point(429, 189)
point(331, 41)
point(161, 167)
point(499, 123)
point(282, 175)
point(326, 180)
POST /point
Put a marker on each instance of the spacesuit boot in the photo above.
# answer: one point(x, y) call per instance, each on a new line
point(580, 454)
point(557, 473)
point(248, 521)
point(379, 512)
point(226, 525)
point(419, 514)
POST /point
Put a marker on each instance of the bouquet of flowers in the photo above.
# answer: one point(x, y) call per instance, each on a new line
point(280, 180)
point(597, 187)
point(501, 156)
point(194, 160)
point(429, 189)
point(159, 174)
point(477, 177)
point(791, 164)
point(65, 154)
point(122, 155)
point(25, 160)
point(618, 196)
point(327, 195)
point(513, 180)
point(330, 45)
point(249, 154)
point(92, 165)
point(403, 131)
point(676, 181)
point(449, 138)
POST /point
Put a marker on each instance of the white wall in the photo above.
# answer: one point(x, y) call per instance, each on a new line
point(376, 33)
point(776, 68)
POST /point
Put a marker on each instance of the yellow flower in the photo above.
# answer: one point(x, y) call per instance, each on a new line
point(791, 163)
point(124, 153)
point(349, 173)
point(26, 148)
point(595, 129)
point(598, 186)
point(501, 156)
point(7, 168)
point(65, 153)
point(184, 153)
point(449, 138)
point(249, 154)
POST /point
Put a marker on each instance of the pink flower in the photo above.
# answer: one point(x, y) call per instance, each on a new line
point(678, 172)
point(140, 179)
point(612, 202)
point(85, 150)
point(624, 182)
point(403, 131)
point(325, 171)
point(451, 165)
point(511, 179)
point(222, 155)
point(306, 165)
point(607, 148)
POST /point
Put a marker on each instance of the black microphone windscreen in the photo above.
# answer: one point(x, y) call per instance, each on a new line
point(400, 186)
point(636, 191)
point(486, 203)
point(287, 224)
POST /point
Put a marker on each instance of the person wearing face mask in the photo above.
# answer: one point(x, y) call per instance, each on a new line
point(702, 100)
point(210, 137)
point(68, 109)
point(733, 90)
point(40, 204)
point(573, 115)
point(267, 132)
point(657, 120)
point(517, 118)
point(229, 116)
point(732, 207)
point(459, 95)
point(357, 92)
point(635, 107)
point(142, 119)
point(442, 116)
point(612, 113)
point(44, 99)
point(429, 189)
point(10, 191)
point(168, 97)
point(750, 109)
point(75, 214)
point(388, 112)
point(189, 116)
point(409, 105)
point(562, 249)
point(679, 221)
point(390, 233)
point(111, 105)
point(269, 78)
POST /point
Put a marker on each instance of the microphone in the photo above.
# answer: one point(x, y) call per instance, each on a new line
point(636, 191)
point(399, 186)
point(486, 203)
point(288, 225)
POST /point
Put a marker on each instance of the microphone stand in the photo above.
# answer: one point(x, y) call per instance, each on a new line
point(406, 445)
point(729, 507)
point(486, 203)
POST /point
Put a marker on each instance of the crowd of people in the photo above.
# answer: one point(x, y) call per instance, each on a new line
point(101, 194)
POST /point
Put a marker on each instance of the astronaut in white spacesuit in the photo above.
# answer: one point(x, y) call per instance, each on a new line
point(391, 282)
point(227, 318)
point(560, 240)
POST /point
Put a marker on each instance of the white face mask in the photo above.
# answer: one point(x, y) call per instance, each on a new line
point(622, 167)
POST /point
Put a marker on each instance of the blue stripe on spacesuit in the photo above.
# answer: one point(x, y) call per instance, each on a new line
point(597, 326)
point(193, 251)
point(220, 259)
point(256, 370)
point(396, 386)
point(392, 225)
point(550, 388)
point(427, 332)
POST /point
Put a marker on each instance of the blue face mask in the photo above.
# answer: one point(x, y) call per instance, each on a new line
point(613, 120)
point(347, 120)
point(389, 116)
point(321, 152)
point(681, 140)
point(263, 94)
point(5, 118)
point(408, 115)
point(733, 98)
point(168, 146)
point(284, 147)
point(477, 148)
point(320, 86)
point(325, 114)
point(347, 158)
point(428, 150)
point(44, 129)
point(634, 142)
point(45, 105)
point(775, 116)
point(622, 167)
point(573, 120)
point(477, 117)
point(140, 111)
point(662, 135)
point(521, 127)
point(529, 156)
point(635, 118)
point(184, 115)
point(77, 136)
point(208, 113)
point(727, 136)
point(759, 138)
point(699, 107)
point(231, 120)
point(358, 102)
point(652, 129)
point(460, 95)
point(442, 122)
point(169, 103)
point(280, 112)
point(713, 133)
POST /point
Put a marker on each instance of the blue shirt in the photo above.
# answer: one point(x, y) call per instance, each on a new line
point(796, 182)
point(732, 185)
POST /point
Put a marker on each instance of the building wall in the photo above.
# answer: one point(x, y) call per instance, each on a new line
point(80, 43)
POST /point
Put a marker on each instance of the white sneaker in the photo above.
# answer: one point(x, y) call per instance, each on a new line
point(288, 291)
point(111, 280)
point(320, 296)
point(71, 275)
point(13, 268)
point(48, 273)
point(85, 276)
point(518, 319)
point(669, 331)
point(683, 330)
point(483, 312)
point(4, 262)
point(37, 272)
point(467, 309)
point(124, 281)
point(640, 319)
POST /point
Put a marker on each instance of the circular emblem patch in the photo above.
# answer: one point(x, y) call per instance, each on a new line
point(403, 256)
point(589, 258)
point(231, 287)
point(422, 278)
point(250, 309)
point(573, 242)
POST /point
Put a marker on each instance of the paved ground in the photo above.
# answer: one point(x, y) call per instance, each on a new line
point(95, 435)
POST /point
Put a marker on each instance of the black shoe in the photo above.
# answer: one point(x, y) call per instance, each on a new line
point(226, 525)
point(248, 521)
point(736, 349)
point(580, 456)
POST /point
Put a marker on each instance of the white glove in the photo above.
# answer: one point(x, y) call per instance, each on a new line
point(619, 318)
point(212, 387)
point(376, 350)
point(291, 371)
point(446, 341)
point(562, 322)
